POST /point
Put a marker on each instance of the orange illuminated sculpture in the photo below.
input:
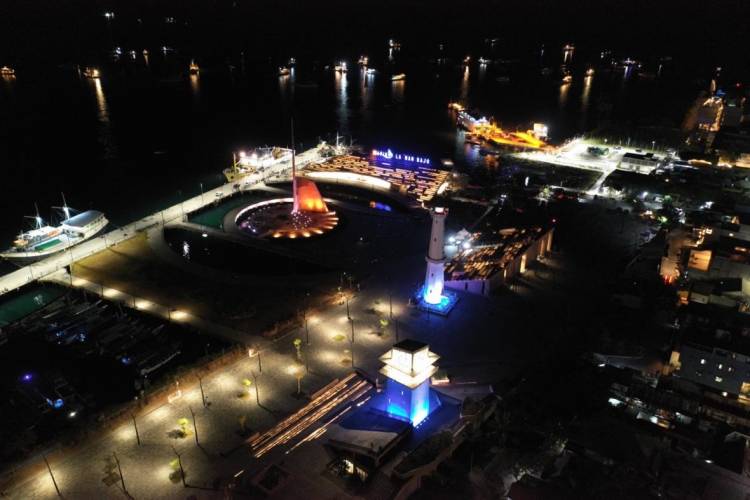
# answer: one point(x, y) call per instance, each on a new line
point(307, 216)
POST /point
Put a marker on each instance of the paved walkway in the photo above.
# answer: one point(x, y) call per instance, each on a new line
point(150, 307)
point(483, 340)
point(56, 262)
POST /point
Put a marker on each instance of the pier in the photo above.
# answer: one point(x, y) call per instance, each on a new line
point(178, 212)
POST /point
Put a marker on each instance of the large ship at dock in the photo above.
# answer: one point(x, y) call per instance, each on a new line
point(482, 130)
point(45, 240)
point(257, 160)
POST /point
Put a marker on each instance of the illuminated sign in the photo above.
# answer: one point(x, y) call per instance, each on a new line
point(390, 155)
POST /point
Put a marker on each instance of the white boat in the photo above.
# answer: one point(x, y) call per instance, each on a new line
point(257, 160)
point(340, 68)
point(284, 71)
point(45, 240)
point(399, 77)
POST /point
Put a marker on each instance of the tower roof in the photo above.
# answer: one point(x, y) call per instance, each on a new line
point(409, 345)
point(409, 362)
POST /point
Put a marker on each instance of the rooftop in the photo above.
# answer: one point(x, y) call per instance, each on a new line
point(409, 345)
point(481, 262)
point(83, 219)
point(421, 182)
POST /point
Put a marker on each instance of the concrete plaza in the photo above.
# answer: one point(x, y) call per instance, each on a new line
point(484, 340)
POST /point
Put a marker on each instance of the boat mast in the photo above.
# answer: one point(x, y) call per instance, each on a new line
point(65, 208)
point(38, 218)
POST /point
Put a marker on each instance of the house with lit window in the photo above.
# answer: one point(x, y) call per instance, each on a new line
point(485, 262)
point(717, 368)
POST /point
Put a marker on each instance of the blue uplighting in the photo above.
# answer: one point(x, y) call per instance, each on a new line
point(412, 405)
point(443, 307)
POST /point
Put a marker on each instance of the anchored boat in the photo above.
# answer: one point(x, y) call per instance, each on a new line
point(45, 240)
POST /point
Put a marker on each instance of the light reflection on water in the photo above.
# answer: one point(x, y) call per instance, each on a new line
point(195, 86)
point(586, 93)
point(563, 97)
point(342, 101)
point(105, 125)
point(464, 92)
point(397, 91)
point(365, 90)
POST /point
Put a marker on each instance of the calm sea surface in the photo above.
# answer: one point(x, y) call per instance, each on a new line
point(147, 134)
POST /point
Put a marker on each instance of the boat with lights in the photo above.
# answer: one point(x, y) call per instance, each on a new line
point(7, 71)
point(482, 130)
point(259, 159)
point(45, 240)
point(399, 77)
point(92, 73)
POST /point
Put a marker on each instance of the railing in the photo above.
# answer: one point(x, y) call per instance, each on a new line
point(57, 262)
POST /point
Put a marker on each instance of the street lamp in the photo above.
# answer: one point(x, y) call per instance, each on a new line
point(203, 395)
point(49, 469)
point(135, 426)
point(307, 330)
point(255, 352)
point(351, 345)
point(182, 471)
point(255, 379)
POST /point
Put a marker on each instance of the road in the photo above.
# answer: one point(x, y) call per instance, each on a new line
point(56, 262)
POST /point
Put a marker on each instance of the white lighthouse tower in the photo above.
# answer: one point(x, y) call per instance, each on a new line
point(433, 281)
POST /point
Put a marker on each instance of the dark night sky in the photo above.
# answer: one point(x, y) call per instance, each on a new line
point(715, 32)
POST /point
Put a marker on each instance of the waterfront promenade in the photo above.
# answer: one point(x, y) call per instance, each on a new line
point(178, 212)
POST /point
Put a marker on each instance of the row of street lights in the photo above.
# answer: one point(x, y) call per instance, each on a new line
point(252, 352)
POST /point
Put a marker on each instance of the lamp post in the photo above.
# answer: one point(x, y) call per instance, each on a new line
point(351, 346)
point(307, 306)
point(203, 395)
point(195, 426)
point(255, 380)
point(119, 469)
point(182, 471)
point(201, 192)
point(307, 331)
point(347, 307)
point(255, 352)
point(57, 488)
point(135, 426)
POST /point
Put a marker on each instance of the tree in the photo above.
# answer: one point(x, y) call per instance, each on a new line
point(183, 423)
point(247, 383)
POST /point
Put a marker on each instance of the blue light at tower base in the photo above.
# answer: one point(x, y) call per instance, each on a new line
point(447, 301)
point(412, 405)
